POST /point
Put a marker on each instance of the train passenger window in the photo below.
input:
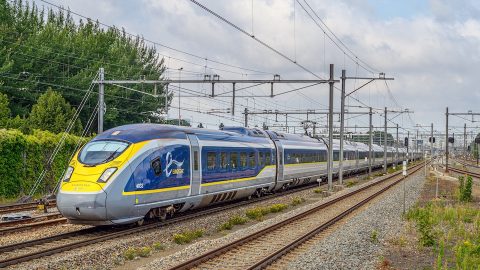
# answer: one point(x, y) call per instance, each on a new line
point(268, 159)
point(233, 160)
point(251, 159)
point(211, 160)
point(261, 159)
point(223, 160)
point(243, 160)
point(195, 160)
point(156, 166)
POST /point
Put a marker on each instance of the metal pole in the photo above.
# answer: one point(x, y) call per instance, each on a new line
point(370, 143)
point(385, 144)
point(446, 141)
point(396, 157)
point(416, 143)
point(330, 132)
point(465, 140)
point(408, 145)
point(166, 103)
point(246, 117)
point(101, 100)
point(286, 122)
point(342, 119)
point(233, 99)
point(431, 143)
point(179, 92)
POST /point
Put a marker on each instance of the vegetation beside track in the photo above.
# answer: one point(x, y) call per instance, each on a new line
point(449, 228)
point(23, 157)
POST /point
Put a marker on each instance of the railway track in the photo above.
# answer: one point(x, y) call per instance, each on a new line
point(473, 174)
point(261, 249)
point(19, 207)
point(36, 222)
point(38, 248)
point(34, 249)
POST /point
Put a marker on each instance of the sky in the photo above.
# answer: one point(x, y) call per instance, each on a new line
point(430, 47)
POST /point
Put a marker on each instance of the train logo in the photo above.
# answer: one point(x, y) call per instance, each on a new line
point(170, 161)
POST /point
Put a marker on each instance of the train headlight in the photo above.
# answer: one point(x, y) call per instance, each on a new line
point(68, 174)
point(106, 175)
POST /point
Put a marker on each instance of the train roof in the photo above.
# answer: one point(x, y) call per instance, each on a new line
point(143, 132)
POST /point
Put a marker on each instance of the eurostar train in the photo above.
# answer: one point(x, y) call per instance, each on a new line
point(133, 172)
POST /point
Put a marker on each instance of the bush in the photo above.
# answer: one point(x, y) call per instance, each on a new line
point(317, 190)
point(424, 220)
point(235, 220)
point(225, 226)
point(351, 183)
point(144, 251)
point(297, 200)
point(130, 254)
point(158, 246)
point(187, 237)
point(279, 207)
point(465, 189)
point(23, 158)
point(254, 213)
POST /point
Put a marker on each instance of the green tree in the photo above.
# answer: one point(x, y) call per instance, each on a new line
point(4, 110)
point(53, 113)
point(44, 47)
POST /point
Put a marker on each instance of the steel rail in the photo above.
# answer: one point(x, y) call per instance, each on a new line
point(30, 219)
point(33, 225)
point(124, 232)
point(299, 241)
point(225, 248)
point(13, 208)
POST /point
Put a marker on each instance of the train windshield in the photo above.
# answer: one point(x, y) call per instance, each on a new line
point(97, 152)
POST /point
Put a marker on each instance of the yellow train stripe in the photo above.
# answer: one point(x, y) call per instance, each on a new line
point(229, 181)
point(305, 163)
point(140, 192)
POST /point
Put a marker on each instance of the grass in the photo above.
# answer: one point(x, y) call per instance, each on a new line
point(187, 236)
point(317, 190)
point(297, 200)
point(258, 213)
point(374, 236)
point(452, 230)
point(351, 183)
point(235, 220)
point(132, 253)
point(158, 246)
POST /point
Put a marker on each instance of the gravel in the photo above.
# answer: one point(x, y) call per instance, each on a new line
point(109, 254)
point(206, 245)
point(352, 246)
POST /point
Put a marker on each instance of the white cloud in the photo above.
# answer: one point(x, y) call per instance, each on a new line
point(434, 56)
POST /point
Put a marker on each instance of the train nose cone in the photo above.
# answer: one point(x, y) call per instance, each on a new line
point(83, 207)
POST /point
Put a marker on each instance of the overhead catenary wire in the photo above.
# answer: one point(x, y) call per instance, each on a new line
point(155, 42)
point(351, 54)
point(254, 38)
point(62, 139)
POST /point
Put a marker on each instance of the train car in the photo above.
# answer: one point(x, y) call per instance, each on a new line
point(133, 172)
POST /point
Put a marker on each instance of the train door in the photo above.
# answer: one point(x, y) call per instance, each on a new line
point(195, 166)
point(279, 160)
point(357, 158)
